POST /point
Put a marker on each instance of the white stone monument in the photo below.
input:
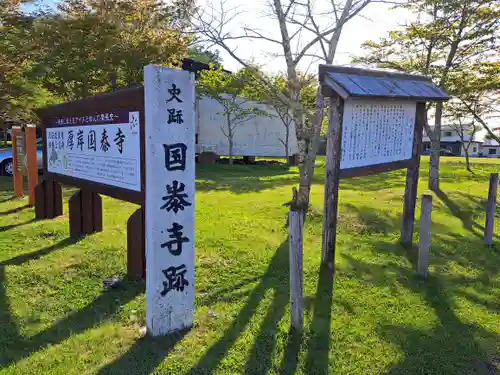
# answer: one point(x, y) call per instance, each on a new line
point(170, 186)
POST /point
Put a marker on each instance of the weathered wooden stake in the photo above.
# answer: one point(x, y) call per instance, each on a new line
point(410, 197)
point(490, 210)
point(332, 180)
point(425, 236)
point(17, 176)
point(295, 235)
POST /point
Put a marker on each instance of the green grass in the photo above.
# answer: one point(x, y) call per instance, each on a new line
point(377, 318)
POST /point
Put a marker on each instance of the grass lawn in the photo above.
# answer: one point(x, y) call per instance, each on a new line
point(378, 317)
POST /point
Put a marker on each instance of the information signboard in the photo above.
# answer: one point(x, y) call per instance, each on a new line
point(103, 148)
point(376, 132)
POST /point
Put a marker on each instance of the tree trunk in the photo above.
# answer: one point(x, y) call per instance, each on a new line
point(309, 159)
point(230, 138)
point(287, 137)
point(467, 161)
point(436, 147)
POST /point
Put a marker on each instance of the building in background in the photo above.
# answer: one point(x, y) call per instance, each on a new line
point(490, 149)
point(258, 136)
point(452, 144)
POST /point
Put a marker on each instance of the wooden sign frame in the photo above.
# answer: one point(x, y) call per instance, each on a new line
point(85, 206)
point(125, 100)
point(345, 83)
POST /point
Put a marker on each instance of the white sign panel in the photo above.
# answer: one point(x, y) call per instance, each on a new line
point(170, 159)
point(107, 153)
point(376, 132)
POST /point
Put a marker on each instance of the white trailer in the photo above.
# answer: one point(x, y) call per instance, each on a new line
point(258, 136)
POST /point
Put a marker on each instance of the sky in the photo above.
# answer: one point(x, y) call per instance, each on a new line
point(375, 21)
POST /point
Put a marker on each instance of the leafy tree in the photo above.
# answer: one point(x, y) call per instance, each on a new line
point(18, 95)
point(205, 56)
point(479, 95)
point(94, 46)
point(227, 89)
point(270, 95)
point(447, 42)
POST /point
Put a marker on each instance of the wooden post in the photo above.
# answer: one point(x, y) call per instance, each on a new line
point(136, 247)
point(490, 210)
point(332, 180)
point(85, 213)
point(170, 166)
point(296, 223)
point(16, 173)
point(425, 236)
point(75, 214)
point(32, 167)
point(410, 197)
point(48, 203)
point(87, 216)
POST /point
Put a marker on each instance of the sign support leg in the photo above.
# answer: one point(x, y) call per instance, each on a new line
point(85, 213)
point(31, 162)
point(332, 180)
point(48, 202)
point(412, 173)
point(136, 251)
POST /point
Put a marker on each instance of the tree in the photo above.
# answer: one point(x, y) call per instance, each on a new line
point(300, 28)
point(479, 96)
point(205, 56)
point(18, 95)
point(448, 37)
point(227, 89)
point(90, 46)
point(255, 90)
point(465, 127)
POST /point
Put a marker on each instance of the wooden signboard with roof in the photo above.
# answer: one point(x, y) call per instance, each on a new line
point(376, 120)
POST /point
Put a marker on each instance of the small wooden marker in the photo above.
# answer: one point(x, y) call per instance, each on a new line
point(17, 176)
point(490, 210)
point(31, 162)
point(295, 240)
point(425, 236)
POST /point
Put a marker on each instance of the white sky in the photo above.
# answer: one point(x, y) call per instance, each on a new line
point(375, 21)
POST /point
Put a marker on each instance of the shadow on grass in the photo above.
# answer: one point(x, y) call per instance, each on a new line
point(392, 180)
point(243, 178)
point(14, 210)
point(259, 361)
point(464, 212)
point(143, 357)
point(319, 341)
point(5, 228)
point(451, 346)
point(20, 259)
point(14, 347)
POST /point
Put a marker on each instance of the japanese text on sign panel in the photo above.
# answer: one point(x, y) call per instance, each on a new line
point(376, 132)
point(170, 134)
point(108, 153)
